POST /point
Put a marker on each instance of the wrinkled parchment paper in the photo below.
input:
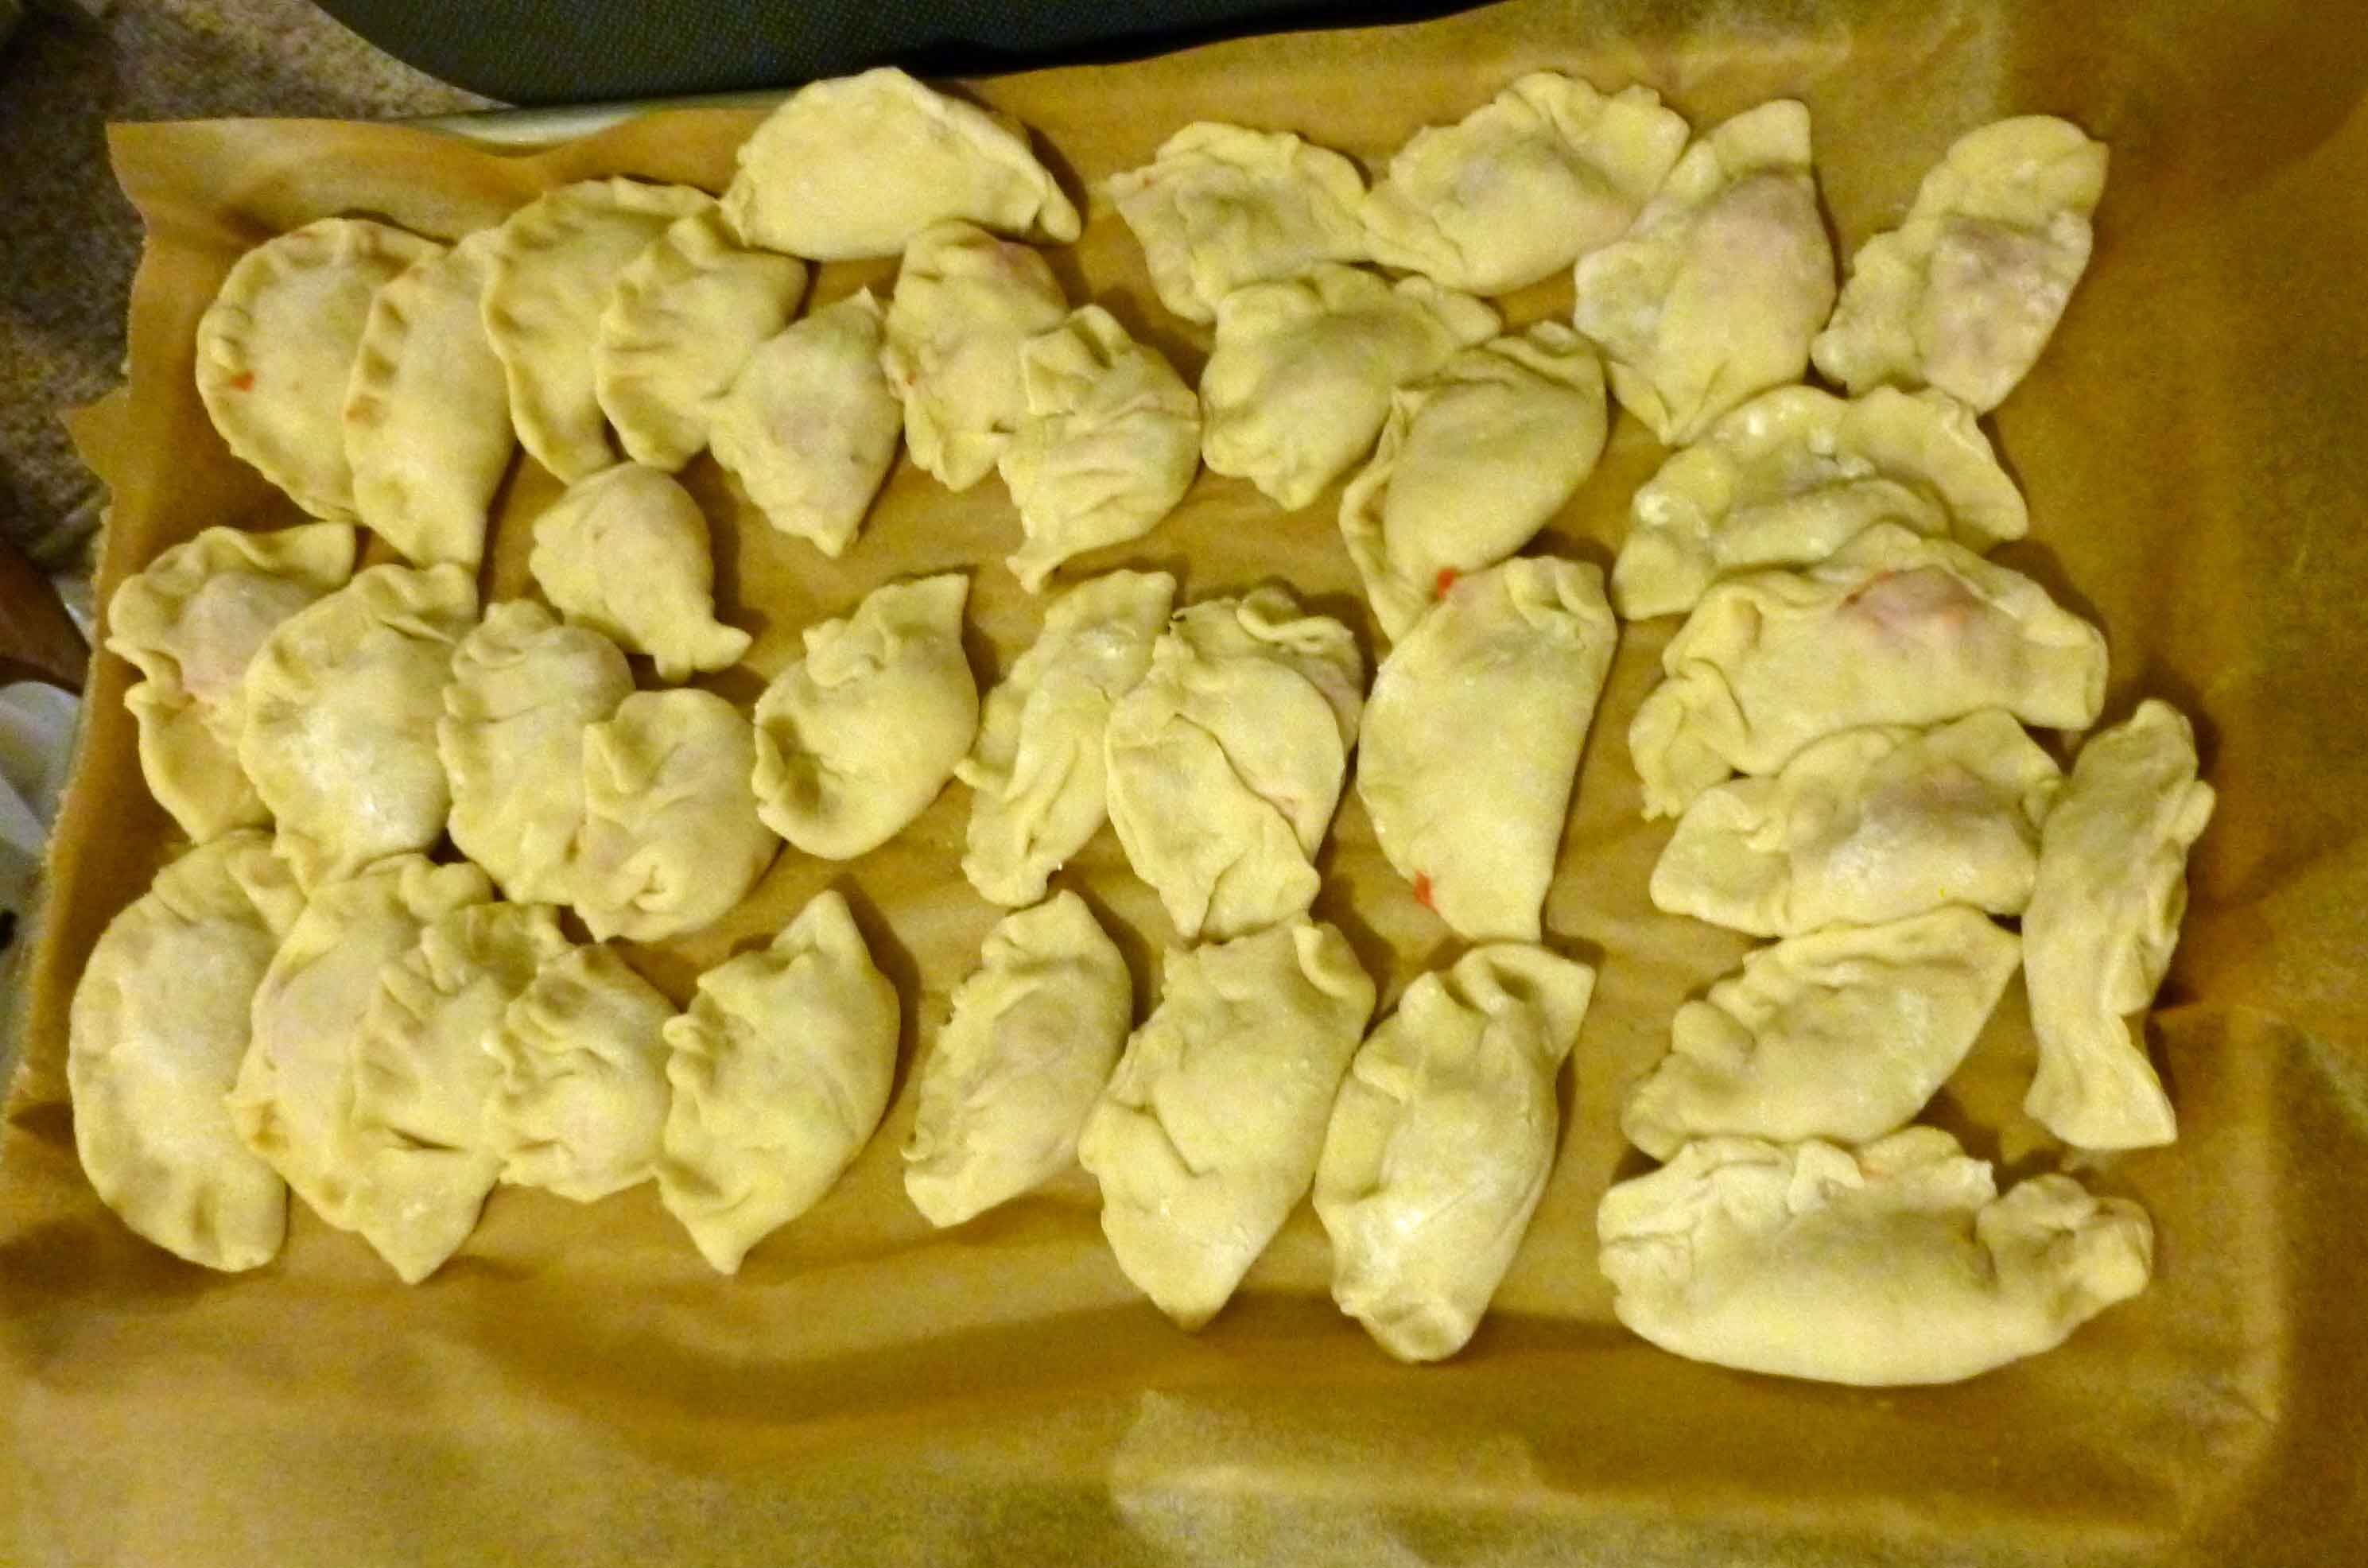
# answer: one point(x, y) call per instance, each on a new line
point(577, 1387)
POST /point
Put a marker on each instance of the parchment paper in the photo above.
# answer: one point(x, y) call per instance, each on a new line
point(577, 1387)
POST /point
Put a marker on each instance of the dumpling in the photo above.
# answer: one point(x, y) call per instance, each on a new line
point(1226, 759)
point(780, 1072)
point(524, 691)
point(1842, 1035)
point(1965, 293)
point(856, 166)
point(1108, 444)
point(581, 1101)
point(1864, 827)
point(1794, 474)
point(626, 554)
point(275, 348)
point(2103, 919)
point(1298, 384)
point(856, 738)
point(339, 732)
point(964, 303)
point(810, 428)
point(672, 835)
point(1474, 459)
point(554, 263)
point(428, 409)
point(1037, 770)
point(1208, 1135)
point(1523, 185)
point(1715, 294)
point(1893, 628)
point(159, 1024)
point(1473, 736)
point(683, 320)
point(1035, 1034)
point(191, 622)
point(1440, 1142)
point(1900, 1264)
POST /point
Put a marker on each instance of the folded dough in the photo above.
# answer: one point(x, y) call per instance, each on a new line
point(1964, 294)
point(810, 428)
point(1210, 1131)
point(1842, 1035)
point(626, 554)
point(1035, 1034)
point(1794, 474)
point(428, 409)
point(1226, 759)
point(1220, 208)
point(1108, 444)
point(855, 739)
point(1474, 459)
point(2103, 919)
point(780, 1072)
point(1037, 770)
point(1893, 628)
point(160, 1022)
point(191, 622)
point(1298, 384)
point(1472, 740)
point(964, 303)
point(1523, 185)
point(856, 166)
point(276, 347)
point(339, 732)
point(1440, 1142)
point(581, 1101)
point(1715, 294)
point(1898, 1265)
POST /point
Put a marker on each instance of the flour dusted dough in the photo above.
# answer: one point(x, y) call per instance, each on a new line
point(1897, 1265)
point(581, 1099)
point(626, 554)
point(1210, 1133)
point(1440, 1142)
point(964, 303)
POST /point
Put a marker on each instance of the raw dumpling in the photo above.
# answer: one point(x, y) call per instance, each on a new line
point(160, 1023)
point(1898, 1265)
point(191, 622)
point(1209, 1135)
point(1473, 462)
point(683, 318)
point(276, 347)
point(555, 262)
point(581, 1102)
point(1715, 294)
point(1108, 444)
point(1523, 185)
point(1226, 759)
point(1033, 1037)
point(2103, 919)
point(1796, 473)
point(1965, 293)
point(964, 303)
point(1440, 1142)
point(1221, 207)
point(1865, 826)
point(1037, 770)
point(672, 837)
point(1298, 384)
point(810, 427)
point(856, 166)
point(780, 1072)
point(428, 409)
point(626, 554)
point(856, 738)
point(1842, 1035)
point(339, 732)
point(1894, 629)
point(1472, 740)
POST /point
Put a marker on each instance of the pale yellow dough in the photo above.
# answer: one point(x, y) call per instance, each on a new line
point(810, 427)
point(965, 302)
point(626, 552)
point(581, 1101)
